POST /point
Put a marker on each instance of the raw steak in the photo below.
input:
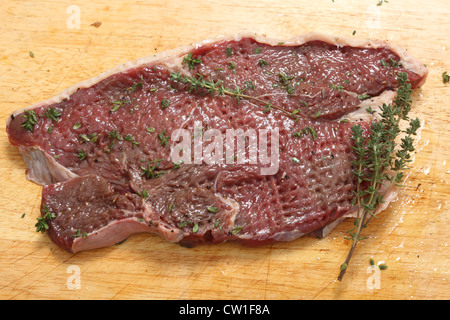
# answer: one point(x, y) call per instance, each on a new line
point(102, 148)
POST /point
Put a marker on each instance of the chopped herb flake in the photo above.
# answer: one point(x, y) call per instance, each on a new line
point(191, 62)
point(115, 135)
point(84, 137)
point(445, 77)
point(31, 120)
point(80, 234)
point(93, 137)
point(393, 62)
point(137, 85)
point(149, 171)
point(165, 103)
point(177, 166)
point(163, 139)
point(182, 224)
point(285, 82)
point(236, 230)
point(384, 63)
point(213, 209)
point(52, 114)
point(262, 63)
point(228, 51)
point(120, 103)
point(381, 2)
point(284, 79)
point(130, 138)
point(42, 223)
point(82, 155)
point(306, 130)
point(336, 87)
point(363, 96)
point(267, 107)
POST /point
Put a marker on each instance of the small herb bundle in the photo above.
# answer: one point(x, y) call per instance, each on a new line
point(381, 159)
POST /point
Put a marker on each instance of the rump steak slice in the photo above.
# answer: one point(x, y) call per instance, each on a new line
point(102, 148)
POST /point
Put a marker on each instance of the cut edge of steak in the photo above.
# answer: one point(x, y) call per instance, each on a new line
point(42, 168)
point(147, 221)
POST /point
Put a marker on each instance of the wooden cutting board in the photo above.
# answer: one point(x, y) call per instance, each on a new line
point(411, 237)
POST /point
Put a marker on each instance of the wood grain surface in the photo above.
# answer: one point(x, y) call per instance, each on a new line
point(411, 237)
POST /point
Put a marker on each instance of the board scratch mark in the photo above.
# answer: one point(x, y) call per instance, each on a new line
point(75, 61)
point(266, 283)
point(119, 292)
point(27, 273)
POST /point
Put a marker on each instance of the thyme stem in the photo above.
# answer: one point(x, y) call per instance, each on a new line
point(217, 87)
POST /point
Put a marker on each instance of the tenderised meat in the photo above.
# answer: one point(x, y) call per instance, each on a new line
point(104, 149)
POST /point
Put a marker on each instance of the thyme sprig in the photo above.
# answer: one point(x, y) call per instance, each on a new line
point(381, 159)
point(198, 82)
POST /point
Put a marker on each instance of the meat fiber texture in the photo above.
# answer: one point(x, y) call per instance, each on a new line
point(104, 149)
